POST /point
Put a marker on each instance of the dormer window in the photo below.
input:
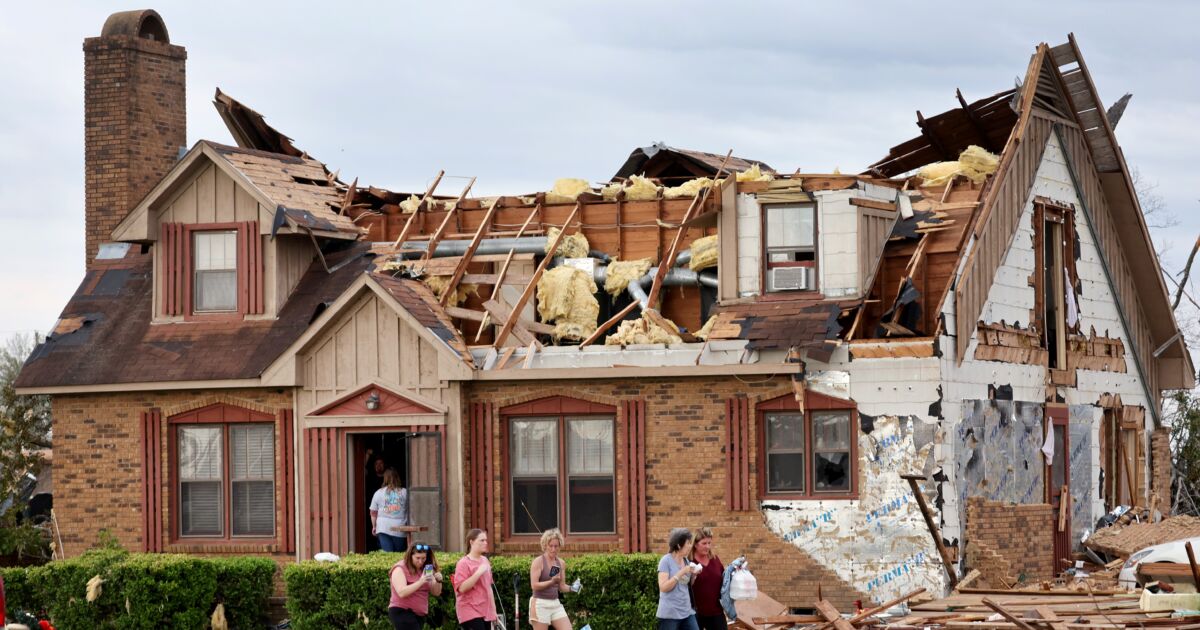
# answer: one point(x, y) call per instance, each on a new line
point(215, 283)
point(791, 247)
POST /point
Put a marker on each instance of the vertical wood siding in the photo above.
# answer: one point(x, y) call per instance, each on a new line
point(1005, 201)
point(152, 480)
point(632, 462)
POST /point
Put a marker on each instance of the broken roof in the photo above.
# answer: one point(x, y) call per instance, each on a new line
point(658, 159)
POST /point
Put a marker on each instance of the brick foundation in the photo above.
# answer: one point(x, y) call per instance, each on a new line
point(1009, 542)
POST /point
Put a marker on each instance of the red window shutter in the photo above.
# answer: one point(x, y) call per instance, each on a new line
point(250, 269)
point(737, 454)
point(632, 457)
point(152, 521)
point(481, 443)
point(173, 269)
point(287, 475)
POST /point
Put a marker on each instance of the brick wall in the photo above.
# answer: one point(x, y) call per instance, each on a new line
point(685, 485)
point(98, 462)
point(134, 125)
point(1160, 469)
point(1006, 541)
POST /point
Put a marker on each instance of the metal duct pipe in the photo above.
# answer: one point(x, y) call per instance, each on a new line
point(683, 257)
point(523, 245)
point(676, 277)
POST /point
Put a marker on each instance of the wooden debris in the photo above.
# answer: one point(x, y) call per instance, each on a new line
point(933, 528)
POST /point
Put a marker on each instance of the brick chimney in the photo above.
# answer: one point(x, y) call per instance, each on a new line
point(134, 117)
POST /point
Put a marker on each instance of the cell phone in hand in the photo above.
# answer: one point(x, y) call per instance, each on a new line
point(553, 571)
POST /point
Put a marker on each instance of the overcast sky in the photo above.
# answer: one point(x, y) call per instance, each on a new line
point(520, 95)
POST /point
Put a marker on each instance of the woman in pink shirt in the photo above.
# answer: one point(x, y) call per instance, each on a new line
point(417, 578)
point(474, 602)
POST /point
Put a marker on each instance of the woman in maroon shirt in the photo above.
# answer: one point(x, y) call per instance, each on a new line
point(706, 586)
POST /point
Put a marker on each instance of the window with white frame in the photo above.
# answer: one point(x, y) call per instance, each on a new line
point(226, 480)
point(214, 257)
point(790, 238)
point(562, 470)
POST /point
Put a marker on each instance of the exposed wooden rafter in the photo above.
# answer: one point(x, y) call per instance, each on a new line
point(526, 294)
point(441, 230)
point(933, 139)
point(465, 260)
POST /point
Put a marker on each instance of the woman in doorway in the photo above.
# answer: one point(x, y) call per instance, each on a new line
point(548, 578)
point(674, 572)
point(474, 602)
point(417, 578)
point(389, 511)
point(706, 589)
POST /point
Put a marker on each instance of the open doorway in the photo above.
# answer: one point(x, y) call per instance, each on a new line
point(417, 458)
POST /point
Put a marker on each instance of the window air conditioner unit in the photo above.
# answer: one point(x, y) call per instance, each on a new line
point(790, 279)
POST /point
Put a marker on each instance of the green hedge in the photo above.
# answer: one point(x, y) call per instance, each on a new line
point(144, 590)
point(619, 591)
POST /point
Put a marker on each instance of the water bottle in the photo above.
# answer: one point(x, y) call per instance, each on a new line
point(576, 586)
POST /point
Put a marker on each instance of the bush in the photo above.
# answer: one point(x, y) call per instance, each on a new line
point(619, 591)
point(145, 590)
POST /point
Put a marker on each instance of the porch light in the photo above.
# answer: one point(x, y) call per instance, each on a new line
point(373, 401)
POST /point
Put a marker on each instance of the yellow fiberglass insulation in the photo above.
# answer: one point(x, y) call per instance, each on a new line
point(621, 272)
point(567, 190)
point(572, 245)
point(410, 205)
point(974, 163)
point(978, 163)
point(641, 189)
point(706, 329)
point(566, 296)
point(610, 191)
point(641, 331)
point(439, 284)
point(690, 188)
point(704, 253)
point(755, 174)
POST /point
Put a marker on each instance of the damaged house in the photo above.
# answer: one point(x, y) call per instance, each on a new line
point(701, 341)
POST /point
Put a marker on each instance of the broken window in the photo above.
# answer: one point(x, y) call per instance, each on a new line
point(1056, 309)
point(215, 271)
point(586, 502)
point(790, 236)
point(226, 479)
point(1121, 454)
point(808, 453)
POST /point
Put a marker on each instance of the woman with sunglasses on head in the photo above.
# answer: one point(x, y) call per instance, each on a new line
point(675, 610)
point(548, 578)
point(417, 578)
point(474, 602)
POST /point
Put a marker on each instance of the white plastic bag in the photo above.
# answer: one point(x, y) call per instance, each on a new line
point(743, 585)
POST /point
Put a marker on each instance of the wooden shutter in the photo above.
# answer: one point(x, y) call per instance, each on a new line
point(287, 476)
point(173, 268)
point(737, 454)
point(152, 520)
point(327, 491)
point(482, 424)
point(250, 268)
point(632, 461)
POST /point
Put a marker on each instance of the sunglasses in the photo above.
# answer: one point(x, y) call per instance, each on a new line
point(420, 547)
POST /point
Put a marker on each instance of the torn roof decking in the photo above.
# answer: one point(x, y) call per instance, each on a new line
point(669, 163)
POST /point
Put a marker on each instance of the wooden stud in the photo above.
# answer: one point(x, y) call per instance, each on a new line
point(609, 324)
point(441, 229)
point(1192, 561)
point(1007, 615)
point(537, 275)
point(1064, 503)
point(831, 615)
point(408, 225)
point(933, 528)
point(866, 614)
point(465, 260)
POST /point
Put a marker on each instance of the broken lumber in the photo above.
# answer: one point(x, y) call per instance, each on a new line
point(933, 528)
point(866, 614)
point(1192, 561)
point(831, 614)
point(441, 230)
point(408, 225)
point(1006, 614)
point(465, 260)
point(537, 274)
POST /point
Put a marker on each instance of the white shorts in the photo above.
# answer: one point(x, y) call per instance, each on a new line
point(546, 610)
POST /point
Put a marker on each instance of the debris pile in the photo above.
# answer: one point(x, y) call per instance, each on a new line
point(643, 331)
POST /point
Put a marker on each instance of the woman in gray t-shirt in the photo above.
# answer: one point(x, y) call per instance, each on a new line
point(674, 573)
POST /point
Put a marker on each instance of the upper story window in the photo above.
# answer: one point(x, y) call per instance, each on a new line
point(1056, 311)
point(215, 283)
point(790, 238)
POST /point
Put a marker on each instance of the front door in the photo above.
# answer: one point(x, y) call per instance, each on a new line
point(1058, 485)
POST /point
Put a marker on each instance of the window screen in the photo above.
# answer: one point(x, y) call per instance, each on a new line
point(534, 446)
point(785, 452)
point(252, 469)
point(591, 498)
point(214, 257)
point(200, 473)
